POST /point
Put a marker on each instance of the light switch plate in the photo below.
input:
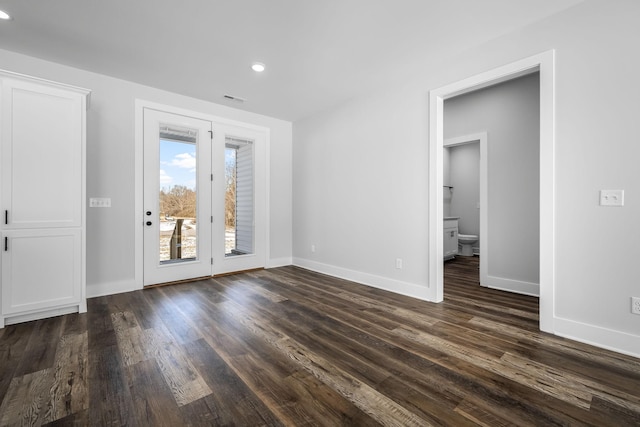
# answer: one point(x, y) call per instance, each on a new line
point(611, 197)
point(100, 202)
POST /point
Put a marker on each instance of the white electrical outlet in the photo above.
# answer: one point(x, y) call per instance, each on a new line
point(313, 248)
point(635, 305)
point(611, 197)
point(399, 263)
point(100, 202)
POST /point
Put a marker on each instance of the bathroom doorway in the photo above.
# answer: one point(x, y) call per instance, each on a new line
point(465, 191)
point(509, 112)
point(544, 65)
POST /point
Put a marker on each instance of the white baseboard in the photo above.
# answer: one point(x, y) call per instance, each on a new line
point(597, 336)
point(102, 289)
point(516, 286)
point(38, 315)
point(380, 282)
point(279, 262)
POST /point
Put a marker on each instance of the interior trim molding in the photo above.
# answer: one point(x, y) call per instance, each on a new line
point(396, 286)
point(512, 285)
point(110, 288)
point(598, 336)
point(279, 262)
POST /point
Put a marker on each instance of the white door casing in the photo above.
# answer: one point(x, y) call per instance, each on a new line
point(545, 64)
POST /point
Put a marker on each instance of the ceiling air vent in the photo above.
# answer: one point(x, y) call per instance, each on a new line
point(234, 98)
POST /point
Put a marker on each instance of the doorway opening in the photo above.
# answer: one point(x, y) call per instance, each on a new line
point(480, 140)
point(544, 64)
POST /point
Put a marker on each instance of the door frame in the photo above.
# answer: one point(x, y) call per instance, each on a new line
point(140, 105)
point(545, 64)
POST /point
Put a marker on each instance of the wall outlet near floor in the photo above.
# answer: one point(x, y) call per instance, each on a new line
point(635, 305)
point(399, 263)
point(313, 248)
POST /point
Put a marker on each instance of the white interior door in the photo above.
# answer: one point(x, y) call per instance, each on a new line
point(177, 197)
point(239, 232)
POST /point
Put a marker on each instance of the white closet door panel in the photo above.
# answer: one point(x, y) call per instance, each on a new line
point(40, 269)
point(41, 156)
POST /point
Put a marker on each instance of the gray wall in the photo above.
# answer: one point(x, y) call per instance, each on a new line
point(361, 172)
point(464, 172)
point(509, 113)
point(110, 167)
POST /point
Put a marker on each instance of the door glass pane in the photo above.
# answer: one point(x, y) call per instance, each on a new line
point(178, 194)
point(239, 197)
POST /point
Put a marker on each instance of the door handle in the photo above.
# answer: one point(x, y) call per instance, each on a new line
point(6, 217)
point(6, 244)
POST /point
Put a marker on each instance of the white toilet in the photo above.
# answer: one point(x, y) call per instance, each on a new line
point(465, 244)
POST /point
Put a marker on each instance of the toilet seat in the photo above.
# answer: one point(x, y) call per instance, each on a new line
point(467, 237)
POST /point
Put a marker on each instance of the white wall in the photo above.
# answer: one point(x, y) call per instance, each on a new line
point(361, 172)
point(110, 167)
point(509, 113)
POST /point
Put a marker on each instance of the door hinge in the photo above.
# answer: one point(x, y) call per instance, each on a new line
point(211, 177)
point(211, 219)
point(211, 260)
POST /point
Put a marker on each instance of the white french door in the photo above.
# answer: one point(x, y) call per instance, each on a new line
point(177, 197)
point(204, 191)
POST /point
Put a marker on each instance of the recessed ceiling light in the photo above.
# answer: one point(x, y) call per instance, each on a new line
point(258, 67)
point(4, 15)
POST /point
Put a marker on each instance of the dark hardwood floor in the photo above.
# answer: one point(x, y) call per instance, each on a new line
point(291, 347)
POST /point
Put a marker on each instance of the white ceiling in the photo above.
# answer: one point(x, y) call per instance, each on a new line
point(318, 53)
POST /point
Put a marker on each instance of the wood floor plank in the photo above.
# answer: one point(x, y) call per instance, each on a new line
point(26, 399)
point(12, 345)
point(183, 379)
point(68, 393)
point(151, 399)
point(180, 329)
point(109, 396)
point(129, 337)
point(38, 355)
point(226, 387)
